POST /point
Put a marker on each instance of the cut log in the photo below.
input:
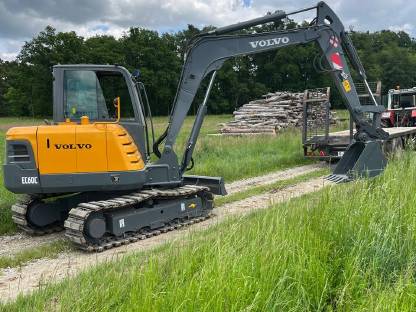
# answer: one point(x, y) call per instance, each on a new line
point(271, 113)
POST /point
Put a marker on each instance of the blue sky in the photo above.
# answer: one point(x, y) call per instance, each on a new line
point(246, 3)
point(20, 20)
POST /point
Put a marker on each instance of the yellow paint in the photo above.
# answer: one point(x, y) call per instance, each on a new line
point(91, 148)
point(85, 120)
point(76, 148)
point(347, 86)
point(192, 206)
point(121, 151)
point(59, 157)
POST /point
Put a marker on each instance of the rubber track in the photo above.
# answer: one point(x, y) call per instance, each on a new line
point(74, 225)
point(19, 211)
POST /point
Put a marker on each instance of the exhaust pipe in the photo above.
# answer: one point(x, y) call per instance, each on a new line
point(360, 160)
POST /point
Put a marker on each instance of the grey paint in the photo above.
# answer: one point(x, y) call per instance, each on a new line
point(153, 217)
point(11, 158)
point(41, 213)
point(14, 171)
point(13, 179)
point(83, 182)
point(362, 160)
point(199, 119)
point(137, 132)
point(215, 184)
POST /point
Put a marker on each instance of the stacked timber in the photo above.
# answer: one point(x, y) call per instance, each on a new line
point(268, 115)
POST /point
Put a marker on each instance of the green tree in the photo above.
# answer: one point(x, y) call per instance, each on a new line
point(26, 84)
point(31, 86)
point(103, 50)
point(157, 59)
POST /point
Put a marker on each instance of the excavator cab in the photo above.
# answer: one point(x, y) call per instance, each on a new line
point(89, 90)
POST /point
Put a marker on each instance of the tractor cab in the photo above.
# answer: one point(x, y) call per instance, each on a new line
point(401, 108)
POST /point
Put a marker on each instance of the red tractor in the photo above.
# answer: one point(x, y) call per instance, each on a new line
point(401, 108)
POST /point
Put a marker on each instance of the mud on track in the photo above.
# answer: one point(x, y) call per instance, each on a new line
point(28, 278)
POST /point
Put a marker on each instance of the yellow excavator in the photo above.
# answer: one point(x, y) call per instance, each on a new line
point(89, 171)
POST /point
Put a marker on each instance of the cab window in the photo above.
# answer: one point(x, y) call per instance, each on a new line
point(403, 100)
point(92, 93)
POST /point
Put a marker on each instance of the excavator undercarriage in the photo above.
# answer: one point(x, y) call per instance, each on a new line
point(112, 220)
point(90, 171)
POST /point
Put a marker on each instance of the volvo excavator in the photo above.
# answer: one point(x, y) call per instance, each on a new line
point(89, 171)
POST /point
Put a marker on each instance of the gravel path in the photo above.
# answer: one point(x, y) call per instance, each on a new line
point(245, 184)
point(11, 244)
point(15, 281)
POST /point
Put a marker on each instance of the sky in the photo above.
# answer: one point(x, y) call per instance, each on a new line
point(21, 20)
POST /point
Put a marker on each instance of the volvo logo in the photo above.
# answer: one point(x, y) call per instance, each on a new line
point(73, 146)
point(269, 42)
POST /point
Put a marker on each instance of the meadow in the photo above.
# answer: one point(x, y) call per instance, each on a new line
point(349, 247)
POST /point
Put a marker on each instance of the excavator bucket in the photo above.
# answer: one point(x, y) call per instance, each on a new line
point(359, 160)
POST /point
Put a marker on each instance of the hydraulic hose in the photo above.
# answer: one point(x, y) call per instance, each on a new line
point(156, 150)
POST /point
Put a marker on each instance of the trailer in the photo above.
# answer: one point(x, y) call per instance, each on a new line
point(320, 143)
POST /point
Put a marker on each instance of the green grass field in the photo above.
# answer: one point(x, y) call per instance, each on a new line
point(348, 248)
point(230, 157)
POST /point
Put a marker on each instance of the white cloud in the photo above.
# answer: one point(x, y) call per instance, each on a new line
point(9, 49)
point(21, 20)
point(8, 56)
point(409, 28)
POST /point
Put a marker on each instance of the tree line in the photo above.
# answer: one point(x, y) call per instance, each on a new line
point(26, 83)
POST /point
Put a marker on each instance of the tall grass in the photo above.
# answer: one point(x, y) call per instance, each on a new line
point(351, 247)
point(239, 157)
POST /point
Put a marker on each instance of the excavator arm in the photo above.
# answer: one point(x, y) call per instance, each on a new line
point(207, 53)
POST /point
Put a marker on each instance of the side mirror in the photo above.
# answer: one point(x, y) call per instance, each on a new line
point(136, 74)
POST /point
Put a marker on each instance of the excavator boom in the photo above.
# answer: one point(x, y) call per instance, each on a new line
point(208, 52)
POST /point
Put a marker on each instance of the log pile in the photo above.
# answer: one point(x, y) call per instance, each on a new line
point(271, 113)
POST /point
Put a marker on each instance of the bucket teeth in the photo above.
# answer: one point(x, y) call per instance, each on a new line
point(338, 178)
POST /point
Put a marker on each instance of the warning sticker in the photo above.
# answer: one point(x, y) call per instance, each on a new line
point(347, 86)
point(337, 61)
point(334, 41)
point(121, 223)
